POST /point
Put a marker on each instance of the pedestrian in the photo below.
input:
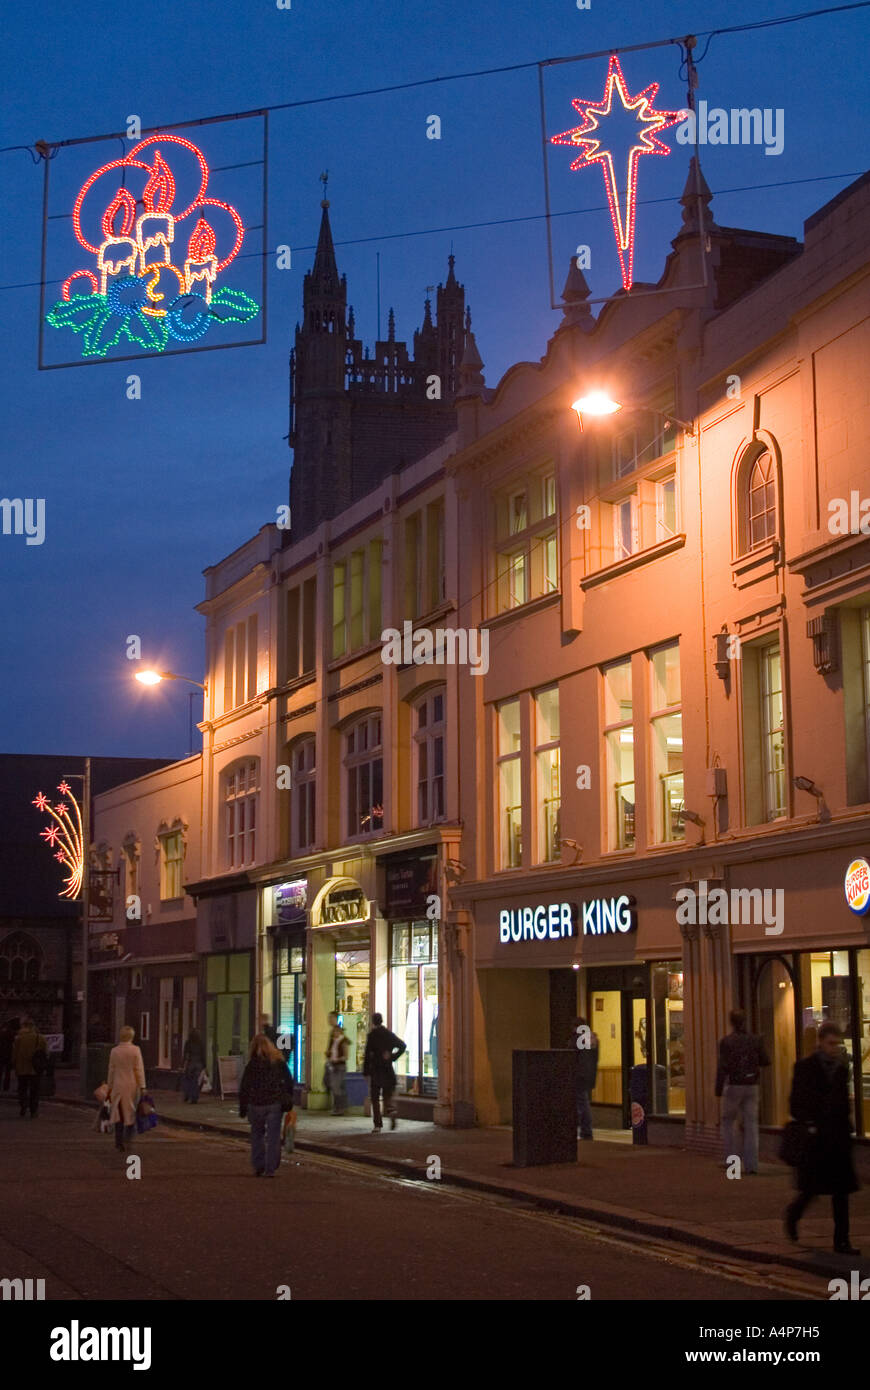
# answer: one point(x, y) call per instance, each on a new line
point(741, 1057)
point(336, 1066)
point(7, 1037)
point(29, 1060)
point(820, 1101)
point(192, 1066)
point(585, 1044)
point(266, 1091)
point(266, 1028)
point(383, 1048)
point(126, 1082)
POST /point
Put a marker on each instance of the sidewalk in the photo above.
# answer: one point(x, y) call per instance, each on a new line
point(664, 1193)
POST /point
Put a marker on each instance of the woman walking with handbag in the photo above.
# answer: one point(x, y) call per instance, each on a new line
point(126, 1082)
point(819, 1103)
point(193, 1065)
point(266, 1091)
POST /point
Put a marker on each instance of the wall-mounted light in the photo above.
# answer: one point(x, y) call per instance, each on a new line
point(577, 848)
point(806, 784)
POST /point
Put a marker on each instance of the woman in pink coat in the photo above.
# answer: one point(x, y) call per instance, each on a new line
point(126, 1081)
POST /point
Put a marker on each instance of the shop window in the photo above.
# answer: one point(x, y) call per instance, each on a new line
point(510, 810)
point(619, 755)
point(414, 1004)
point(240, 663)
point(171, 865)
point(289, 1012)
point(862, 970)
point(666, 742)
point(364, 777)
point(666, 1048)
point(429, 735)
point(304, 793)
point(526, 560)
point(763, 732)
point(547, 770)
point(352, 998)
point(241, 794)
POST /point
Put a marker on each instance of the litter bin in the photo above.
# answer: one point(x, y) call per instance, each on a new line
point(544, 1107)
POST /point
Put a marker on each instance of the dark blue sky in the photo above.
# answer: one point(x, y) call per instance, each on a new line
point(141, 495)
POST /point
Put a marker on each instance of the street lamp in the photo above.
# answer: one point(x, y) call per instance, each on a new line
point(149, 677)
point(598, 403)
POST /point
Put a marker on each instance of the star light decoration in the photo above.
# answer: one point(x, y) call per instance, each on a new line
point(66, 834)
point(595, 152)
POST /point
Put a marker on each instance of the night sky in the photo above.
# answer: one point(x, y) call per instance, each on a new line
point(141, 495)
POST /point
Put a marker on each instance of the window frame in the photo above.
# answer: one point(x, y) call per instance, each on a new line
point(425, 738)
point(530, 550)
point(246, 799)
point(353, 761)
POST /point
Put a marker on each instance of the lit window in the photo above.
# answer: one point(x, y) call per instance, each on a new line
point(619, 755)
point(171, 863)
point(625, 540)
point(240, 810)
point(773, 742)
point(666, 741)
point(526, 559)
point(652, 435)
point(547, 764)
point(666, 508)
point(429, 733)
point(509, 784)
point(364, 777)
point(304, 792)
point(761, 501)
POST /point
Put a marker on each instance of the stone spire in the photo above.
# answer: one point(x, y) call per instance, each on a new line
point(471, 382)
point(574, 297)
point(696, 185)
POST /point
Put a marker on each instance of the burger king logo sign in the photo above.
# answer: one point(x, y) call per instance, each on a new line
point(857, 886)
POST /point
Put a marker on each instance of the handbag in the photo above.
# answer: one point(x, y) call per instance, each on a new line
point(796, 1143)
point(102, 1092)
point(288, 1130)
point(103, 1123)
point(204, 1082)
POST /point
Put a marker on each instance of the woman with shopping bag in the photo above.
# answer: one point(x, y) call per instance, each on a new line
point(126, 1082)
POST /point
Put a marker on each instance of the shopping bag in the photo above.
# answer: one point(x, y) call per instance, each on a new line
point(204, 1082)
point(103, 1123)
point(146, 1115)
point(288, 1131)
point(102, 1092)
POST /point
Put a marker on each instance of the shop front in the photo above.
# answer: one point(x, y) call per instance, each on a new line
point(285, 980)
point(410, 889)
point(587, 951)
point(226, 935)
point(815, 969)
point(342, 977)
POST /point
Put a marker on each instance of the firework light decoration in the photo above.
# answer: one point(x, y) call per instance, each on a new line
point(65, 835)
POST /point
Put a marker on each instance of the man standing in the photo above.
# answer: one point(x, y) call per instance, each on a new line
point(741, 1057)
point(382, 1050)
point(585, 1043)
point(30, 1059)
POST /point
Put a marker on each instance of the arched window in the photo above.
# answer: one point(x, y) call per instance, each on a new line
point(304, 793)
point(760, 501)
point(364, 777)
point(20, 959)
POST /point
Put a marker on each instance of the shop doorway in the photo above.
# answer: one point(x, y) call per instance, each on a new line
point(616, 1009)
point(227, 1009)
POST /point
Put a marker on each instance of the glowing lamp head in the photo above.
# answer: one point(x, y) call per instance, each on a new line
point(149, 677)
point(596, 403)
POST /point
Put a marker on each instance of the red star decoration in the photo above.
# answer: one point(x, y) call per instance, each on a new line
point(40, 801)
point(593, 112)
point(61, 809)
point(64, 789)
point(51, 834)
point(61, 856)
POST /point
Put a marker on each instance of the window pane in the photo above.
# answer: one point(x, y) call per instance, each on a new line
point(617, 693)
point(667, 743)
point(666, 508)
point(511, 813)
point(509, 727)
point(621, 799)
point(437, 709)
point(547, 709)
point(400, 949)
point(665, 665)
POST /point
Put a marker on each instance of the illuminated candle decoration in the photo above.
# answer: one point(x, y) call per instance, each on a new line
point(138, 294)
point(622, 201)
point(155, 230)
point(65, 835)
point(201, 264)
point(119, 252)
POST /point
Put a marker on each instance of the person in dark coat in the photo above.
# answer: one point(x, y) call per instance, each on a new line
point(7, 1035)
point(192, 1066)
point(587, 1073)
point(30, 1059)
point(383, 1048)
point(741, 1057)
point(266, 1091)
point(820, 1100)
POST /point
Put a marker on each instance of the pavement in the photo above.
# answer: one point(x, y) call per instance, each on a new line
point(665, 1193)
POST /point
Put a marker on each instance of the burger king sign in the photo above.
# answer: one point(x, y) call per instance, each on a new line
point(857, 885)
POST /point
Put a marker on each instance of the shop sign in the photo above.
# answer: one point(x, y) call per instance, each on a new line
point(551, 921)
point(344, 905)
point(290, 901)
point(857, 886)
point(409, 885)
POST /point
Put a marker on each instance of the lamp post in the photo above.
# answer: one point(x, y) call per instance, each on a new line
point(598, 403)
point(151, 677)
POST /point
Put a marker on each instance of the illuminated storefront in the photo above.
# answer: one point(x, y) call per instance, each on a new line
point(413, 969)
